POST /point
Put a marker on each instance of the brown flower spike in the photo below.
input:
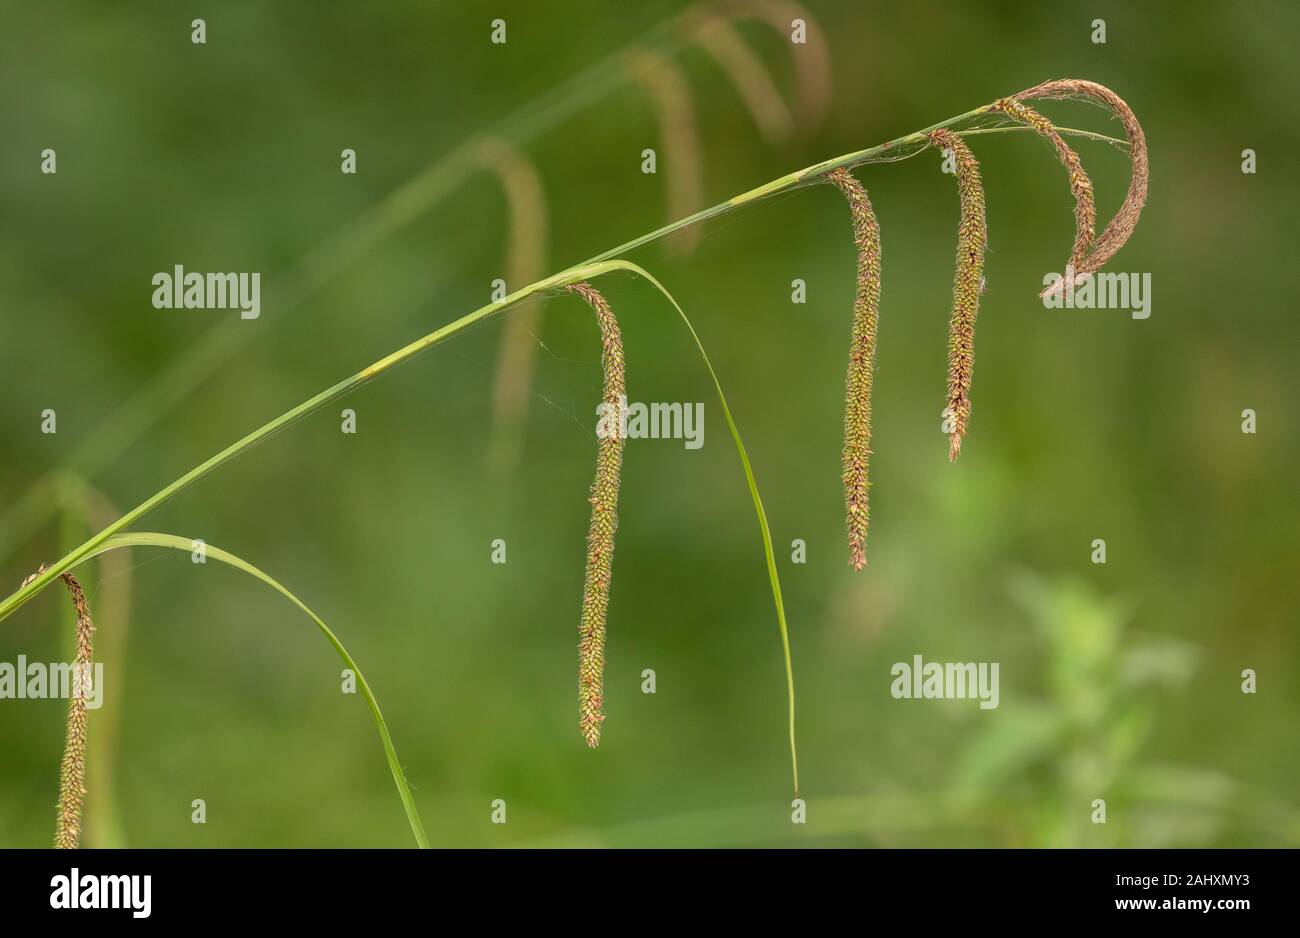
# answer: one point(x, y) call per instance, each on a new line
point(972, 238)
point(1085, 209)
point(1125, 220)
point(604, 521)
point(862, 362)
point(72, 771)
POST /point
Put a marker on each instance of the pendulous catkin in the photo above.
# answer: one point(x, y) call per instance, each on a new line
point(525, 196)
point(72, 771)
point(670, 96)
point(972, 238)
point(1085, 209)
point(604, 521)
point(862, 362)
point(1125, 220)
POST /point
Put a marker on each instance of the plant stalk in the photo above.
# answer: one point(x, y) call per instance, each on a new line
point(571, 275)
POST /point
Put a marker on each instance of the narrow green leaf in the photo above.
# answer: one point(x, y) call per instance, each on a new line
point(216, 553)
point(595, 270)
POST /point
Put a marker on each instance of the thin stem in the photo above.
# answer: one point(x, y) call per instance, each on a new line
point(898, 149)
point(564, 278)
point(185, 545)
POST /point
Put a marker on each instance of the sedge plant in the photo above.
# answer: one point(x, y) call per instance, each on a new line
point(950, 134)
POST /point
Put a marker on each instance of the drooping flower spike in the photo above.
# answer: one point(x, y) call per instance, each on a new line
point(604, 522)
point(972, 239)
point(862, 362)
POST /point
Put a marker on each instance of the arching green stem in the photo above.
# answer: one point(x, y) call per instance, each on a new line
point(183, 544)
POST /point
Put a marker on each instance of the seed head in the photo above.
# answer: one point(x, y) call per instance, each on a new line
point(1121, 226)
point(972, 238)
point(1085, 209)
point(526, 246)
point(604, 522)
point(715, 33)
point(670, 96)
point(812, 65)
point(862, 362)
point(72, 770)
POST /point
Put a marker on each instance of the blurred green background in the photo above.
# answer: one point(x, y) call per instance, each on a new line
point(1119, 682)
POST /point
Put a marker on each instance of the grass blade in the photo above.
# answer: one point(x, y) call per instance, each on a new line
point(183, 544)
point(772, 575)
